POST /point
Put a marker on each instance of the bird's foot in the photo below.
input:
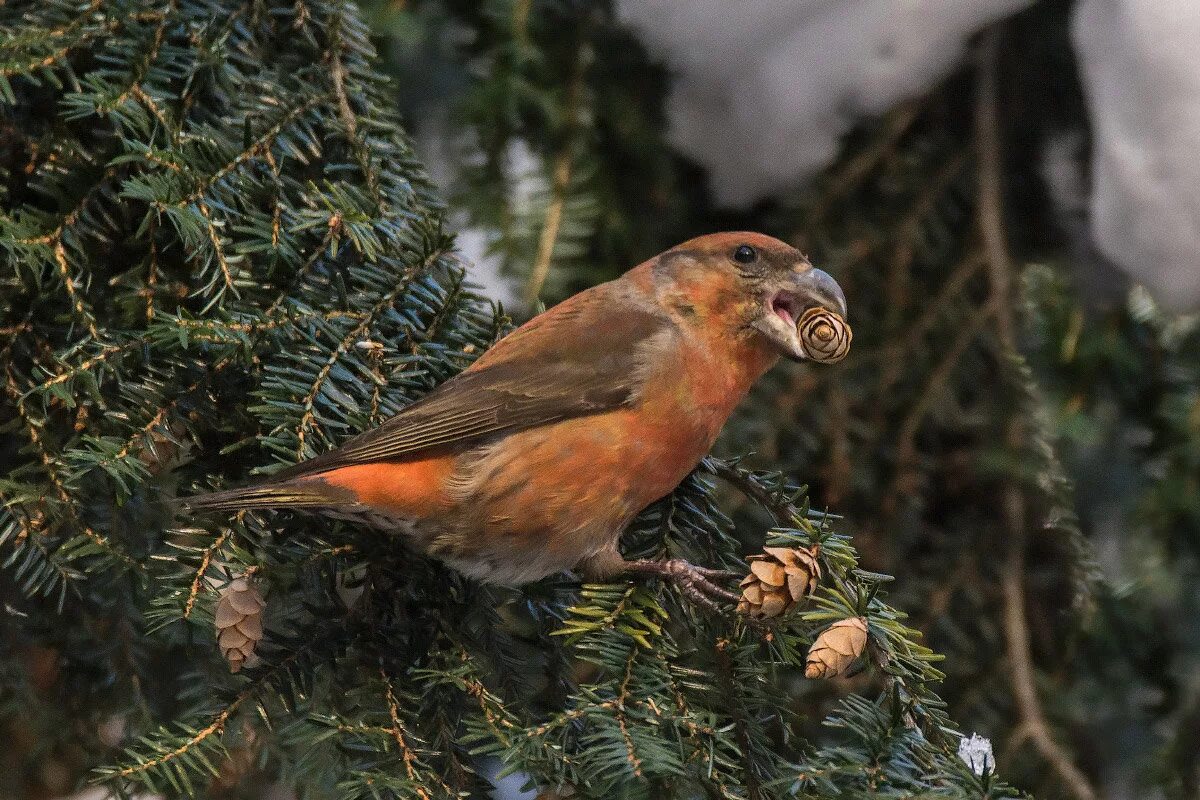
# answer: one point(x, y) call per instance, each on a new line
point(696, 583)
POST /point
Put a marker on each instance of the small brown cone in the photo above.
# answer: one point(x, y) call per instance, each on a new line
point(836, 648)
point(825, 335)
point(239, 622)
point(779, 579)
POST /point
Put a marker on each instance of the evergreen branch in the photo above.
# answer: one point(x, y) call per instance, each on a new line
point(635, 763)
point(51, 470)
point(148, 429)
point(496, 721)
point(454, 294)
point(59, 33)
point(725, 676)
point(396, 730)
point(781, 508)
point(331, 233)
point(106, 352)
point(152, 268)
point(255, 148)
point(54, 237)
point(152, 106)
point(267, 322)
point(337, 72)
point(30, 533)
point(77, 303)
point(143, 67)
point(219, 251)
point(356, 333)
point(144, 767)
point(216, 726)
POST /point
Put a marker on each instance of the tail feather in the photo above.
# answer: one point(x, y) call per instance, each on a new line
point(280, 495)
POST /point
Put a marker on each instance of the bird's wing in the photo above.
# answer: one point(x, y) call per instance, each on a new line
point(581, 357)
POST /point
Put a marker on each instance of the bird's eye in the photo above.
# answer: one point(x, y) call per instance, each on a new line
point(745, 254)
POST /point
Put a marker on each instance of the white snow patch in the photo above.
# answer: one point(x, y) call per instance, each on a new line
point(976, 751)
point(765, 89)
point(1141, 73)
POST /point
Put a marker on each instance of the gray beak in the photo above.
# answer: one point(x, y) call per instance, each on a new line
point(807, 289)
point(823, 291)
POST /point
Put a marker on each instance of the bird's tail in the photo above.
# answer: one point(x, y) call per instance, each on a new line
point(271, 495)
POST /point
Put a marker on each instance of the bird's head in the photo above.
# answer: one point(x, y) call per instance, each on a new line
point(755, 284)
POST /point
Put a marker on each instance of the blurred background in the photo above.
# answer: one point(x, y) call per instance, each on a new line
point(994, 177)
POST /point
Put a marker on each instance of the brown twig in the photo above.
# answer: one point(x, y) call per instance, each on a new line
point(559, 186)
point(1016, 631)
point(619, 711)
point(398, 734)
point(782, 511)
point(1016, 627)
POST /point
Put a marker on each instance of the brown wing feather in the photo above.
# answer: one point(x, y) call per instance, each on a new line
point(579, 358)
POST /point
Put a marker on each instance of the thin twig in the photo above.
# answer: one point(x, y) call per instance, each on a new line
point(397, 732)
point(551, 225)
point(1016, 628)
point(858, 169)
point(560, 184)
point(782, 511)
point(619, 711)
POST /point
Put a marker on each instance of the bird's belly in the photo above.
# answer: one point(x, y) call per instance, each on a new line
point(542, 500)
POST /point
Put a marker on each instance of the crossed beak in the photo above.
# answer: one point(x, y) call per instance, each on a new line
point(808, 289)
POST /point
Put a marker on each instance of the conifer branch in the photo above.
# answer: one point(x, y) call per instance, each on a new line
point(356, 334)
point(256, 148)
point(50, 466)
point(396, 730)
point(635, 763)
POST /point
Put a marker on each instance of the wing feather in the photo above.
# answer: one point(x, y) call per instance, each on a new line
point(581, 357)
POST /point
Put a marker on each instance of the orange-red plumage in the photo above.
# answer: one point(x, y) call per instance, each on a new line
point(537, 457)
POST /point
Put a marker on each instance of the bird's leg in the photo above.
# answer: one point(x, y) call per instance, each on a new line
point(696, 583)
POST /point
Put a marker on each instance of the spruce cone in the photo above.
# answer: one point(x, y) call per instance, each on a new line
point(239, 622)
point(779, 580)
point(825, 335)
point(836, 648)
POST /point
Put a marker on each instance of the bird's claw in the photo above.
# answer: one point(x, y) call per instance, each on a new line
point(696, 583)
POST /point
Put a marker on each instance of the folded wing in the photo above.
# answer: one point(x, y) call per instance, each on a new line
point(582, 357)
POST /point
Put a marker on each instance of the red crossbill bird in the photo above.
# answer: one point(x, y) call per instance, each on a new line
point(535, 458)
